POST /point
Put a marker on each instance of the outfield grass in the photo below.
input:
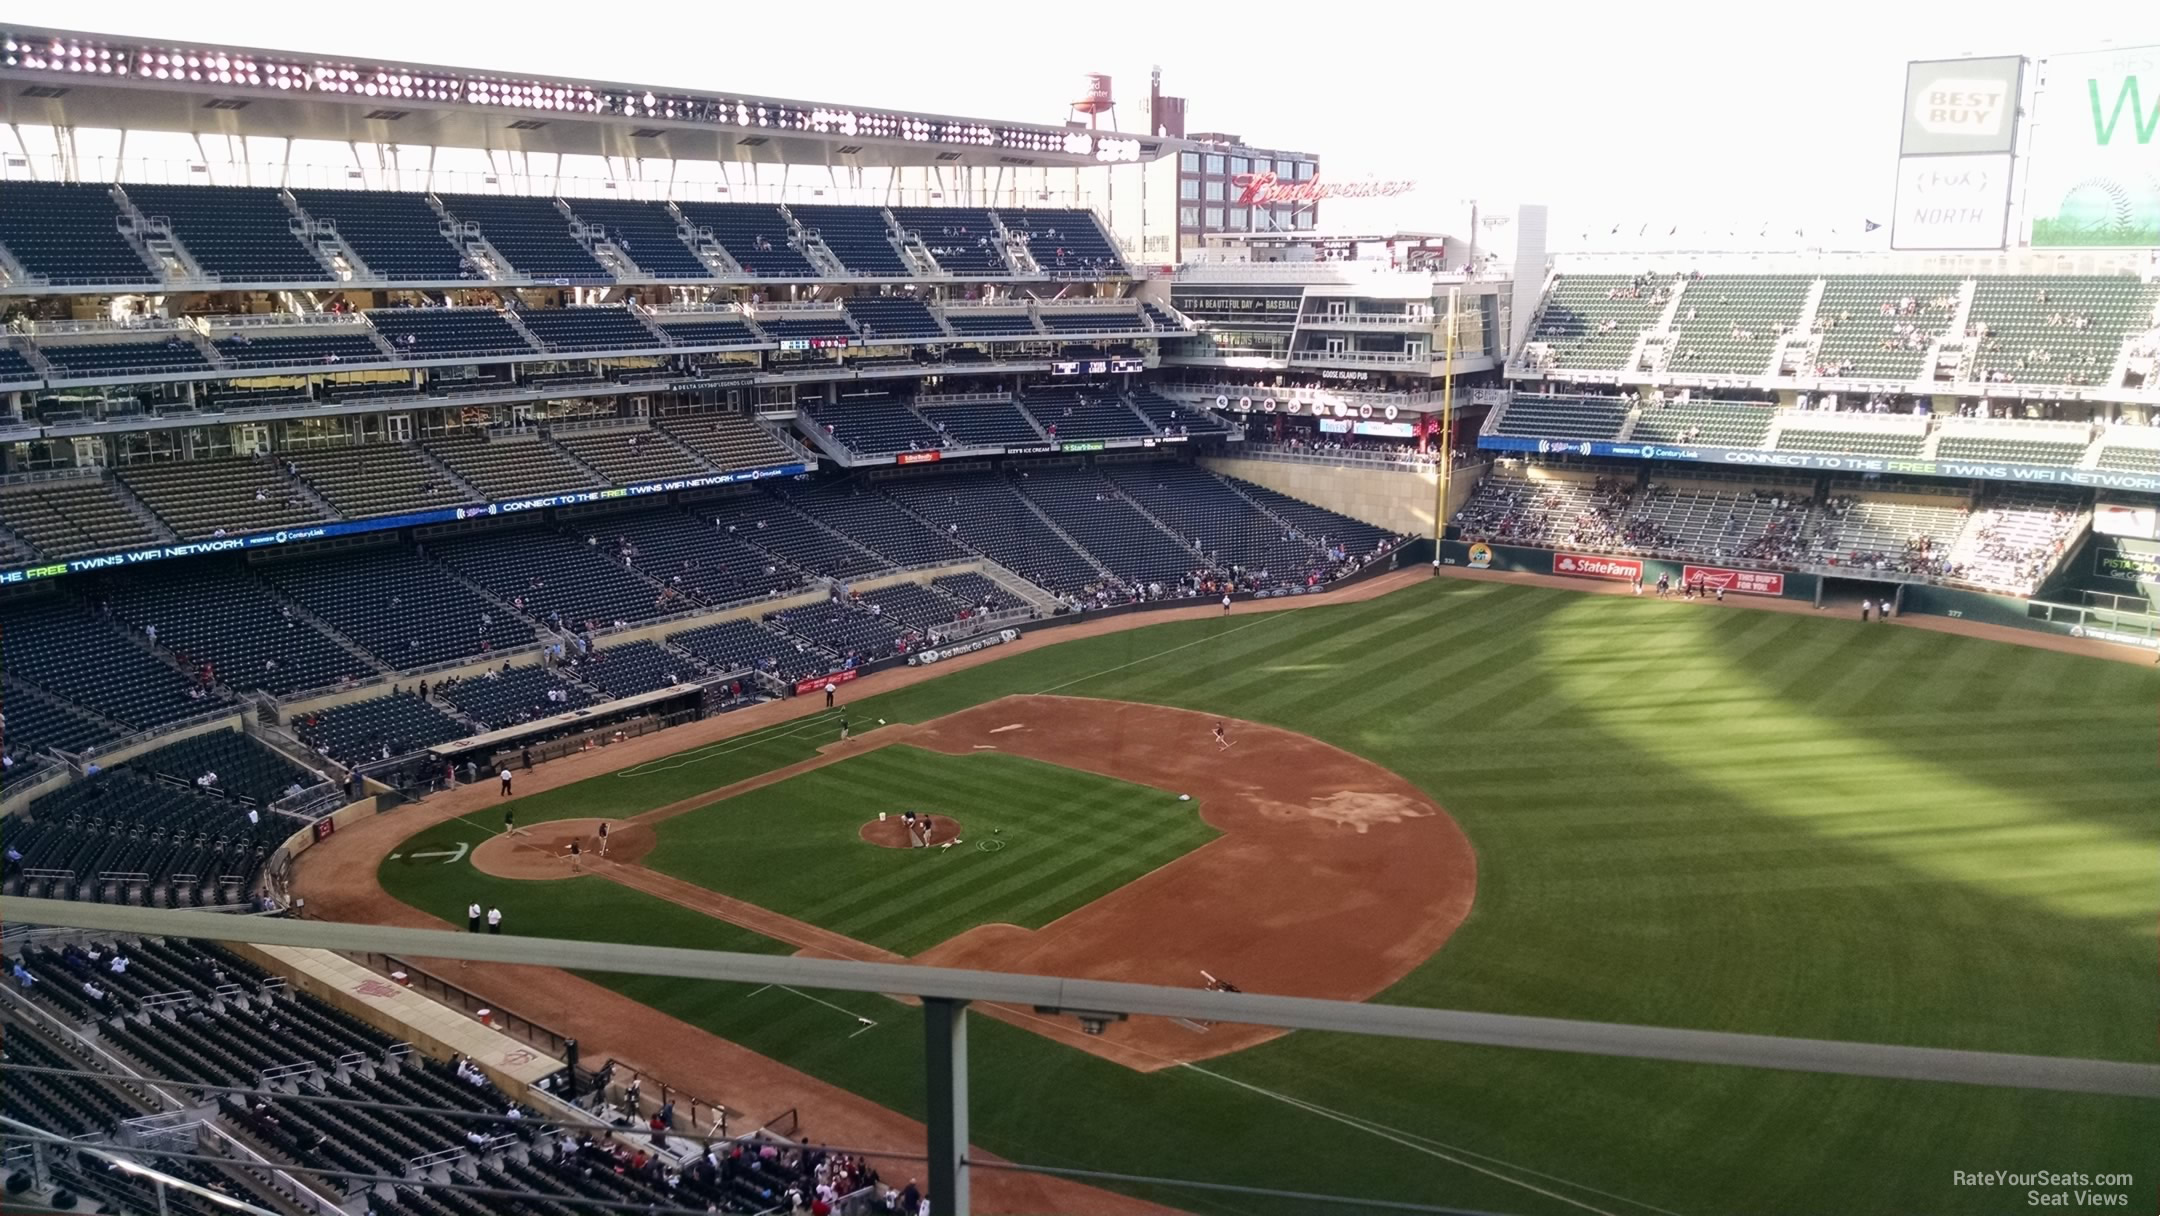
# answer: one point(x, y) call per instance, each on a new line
point(1066, 838)
point(1686, 815)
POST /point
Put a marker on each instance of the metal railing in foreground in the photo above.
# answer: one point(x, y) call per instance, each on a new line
point(946, 992)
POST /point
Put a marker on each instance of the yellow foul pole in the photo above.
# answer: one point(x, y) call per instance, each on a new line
point(1446, 455)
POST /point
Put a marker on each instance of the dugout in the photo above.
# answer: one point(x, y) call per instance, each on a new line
point(1841, 593)
point(581, 729)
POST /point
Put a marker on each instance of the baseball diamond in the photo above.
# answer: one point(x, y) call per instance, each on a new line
point(573, 647)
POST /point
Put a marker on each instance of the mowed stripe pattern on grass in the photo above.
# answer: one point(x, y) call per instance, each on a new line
point(1064, 838)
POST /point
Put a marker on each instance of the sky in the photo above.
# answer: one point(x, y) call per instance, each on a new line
point(1616, 115)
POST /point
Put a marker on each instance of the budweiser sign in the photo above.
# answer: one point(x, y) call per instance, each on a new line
point(1260, 189)
point(1580, 565)
point(1746, 582)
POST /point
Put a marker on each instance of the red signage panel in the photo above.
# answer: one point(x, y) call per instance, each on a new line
point(918, 457)
point(1744, 582)
point(805, 687)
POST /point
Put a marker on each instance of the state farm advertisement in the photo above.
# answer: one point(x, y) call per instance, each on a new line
point(1742, 582)
point(1580, 565)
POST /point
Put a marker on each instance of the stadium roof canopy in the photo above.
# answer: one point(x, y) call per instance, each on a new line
point(63, 78)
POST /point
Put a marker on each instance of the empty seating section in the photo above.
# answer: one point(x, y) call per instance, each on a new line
point(14, 369)
point(805, 325)
point(1723, 523)
point(552, 572)
point(1356, 537)
point(874, 424)
point(963, 241)
point(59, 647)
point(69, 233)
point(513, 468)
point(377, 479)
point(772, 526)
point(1083, 412)
point(238, 233)
point(986, 323)
point(200, 498)
point(1118, 536)
point(634, 667)
point(2127, 458)
point(74, 518)
point(2062, 446)
point(1731, 324)
point(124, 838)
point(36, 723)
point(975, 591)
point(1091, 320)
point(1165, 318)
point(1173, 418)
point(1563, 417)
point(984, 512)
point(1732, 424)
point(890, 318)
point(442, 333)
point(744, 645)
point(872, 521)
point(86, 360)
point(983, 424)
point(647, 232)
point(244, 766)
point(1881, 326)
point(530, 232)
point(497, 699)
point(398, 606)
point(692, 555)
point(1064, 241)
point(398, 236)
point(630, 457)
point(1869, 442)
point(1215, 519)
point(856, 235)
point(1593, 321)
point(213, 612)
point(756, 235)
point(728, 441)
point(70, 1106)
point(378, 728)
point(698, 329)
point(314, 345)
point(2068, 330)
point(576, 329)
point(913, 605)
point(848, 629)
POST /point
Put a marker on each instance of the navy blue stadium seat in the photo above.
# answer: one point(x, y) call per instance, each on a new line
point(856, 235)
point(646, 232)
point(884, 318)
point(398, 236)
point(239, 233)
point(436, 333)
point(69, 232)
point(756, 235)
point(529, 231)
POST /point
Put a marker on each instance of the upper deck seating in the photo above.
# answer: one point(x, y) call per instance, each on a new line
point(756, 235)
point(528, 230)
point(856, 235)
point(242, 234)
point(207, 498)
point(397, 236)
point(69, 232)
point(647, 232)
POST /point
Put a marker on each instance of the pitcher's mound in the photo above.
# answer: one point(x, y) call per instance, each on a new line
point(891, 833)
point(543, 850)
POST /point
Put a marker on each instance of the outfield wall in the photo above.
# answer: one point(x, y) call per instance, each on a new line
point(1602, 568)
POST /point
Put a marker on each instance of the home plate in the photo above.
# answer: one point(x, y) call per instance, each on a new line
point(999, 730)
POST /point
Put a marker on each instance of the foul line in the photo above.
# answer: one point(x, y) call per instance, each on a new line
point(1262, 619)
point(1413, 1142)
point(729, 746)
point(868, 1024)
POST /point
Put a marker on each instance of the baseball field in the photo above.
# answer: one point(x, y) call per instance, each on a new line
point(1464, 794)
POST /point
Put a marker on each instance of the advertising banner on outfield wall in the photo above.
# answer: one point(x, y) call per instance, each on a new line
point(1743, 582)
point(2093, 178)
point(1952, 202)
point(2111, 561)
point(1584, 565)
point(1961, 106)
point(1829, 462)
